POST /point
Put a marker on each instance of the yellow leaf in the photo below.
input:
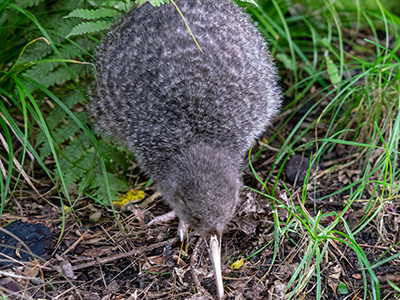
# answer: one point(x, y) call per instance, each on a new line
point(132, 195)
point(237, 264)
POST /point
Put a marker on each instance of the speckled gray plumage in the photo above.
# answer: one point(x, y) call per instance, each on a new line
point(189, 118)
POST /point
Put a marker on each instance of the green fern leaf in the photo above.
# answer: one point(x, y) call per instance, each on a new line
point(36, 51)
point(27, 3)
point(77, 148)
point(153, 2)
point(82, 157)
point(77, 171)
point(57, 114)
point(113, 154)
point(66, 130)
point(56, 77)
point(64, 26)
point(63, 133)
point(42, 70)
point(59, 75)
point(68, 5)
point(158, 2)
point(72, 175)
point(40, 48)
point(116, 187)
point(91, 14)
point(89, 27)
point(74, 152)
point(120, 5)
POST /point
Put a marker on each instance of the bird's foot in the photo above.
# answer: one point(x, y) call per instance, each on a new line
point(163, 218)
point(182, 227)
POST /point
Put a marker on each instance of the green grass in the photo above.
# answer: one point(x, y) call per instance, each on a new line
point(353, 95)
point(362, 118)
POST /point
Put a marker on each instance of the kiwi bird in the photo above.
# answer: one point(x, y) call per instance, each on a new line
point(188, 116)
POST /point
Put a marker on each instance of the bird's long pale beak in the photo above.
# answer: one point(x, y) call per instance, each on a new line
point(214, 250)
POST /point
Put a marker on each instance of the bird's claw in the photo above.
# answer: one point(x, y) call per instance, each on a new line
point(182, 228)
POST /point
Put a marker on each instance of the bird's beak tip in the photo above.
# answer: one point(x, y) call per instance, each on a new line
point(214, 244)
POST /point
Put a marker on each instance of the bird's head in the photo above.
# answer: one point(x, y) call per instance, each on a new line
point(203, 188)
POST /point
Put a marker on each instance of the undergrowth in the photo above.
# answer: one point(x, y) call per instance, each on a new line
point(350, 100)
point(354, 108)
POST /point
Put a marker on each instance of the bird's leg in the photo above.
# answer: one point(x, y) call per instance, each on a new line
point(163, 218)
point(182, 228)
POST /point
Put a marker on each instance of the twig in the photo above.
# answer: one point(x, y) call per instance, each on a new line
point(75, 244)
point(126, 254)
point(193, 261)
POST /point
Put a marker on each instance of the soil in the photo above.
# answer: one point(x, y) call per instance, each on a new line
point(98, 260)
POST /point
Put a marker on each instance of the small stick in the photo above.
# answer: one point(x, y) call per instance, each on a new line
point(126, 254)
point(75, 244)
point(193, 261)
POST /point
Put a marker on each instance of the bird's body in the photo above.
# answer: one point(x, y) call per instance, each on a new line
point(189, 117)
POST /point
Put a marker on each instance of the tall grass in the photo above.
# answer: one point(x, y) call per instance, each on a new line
point(355, 107)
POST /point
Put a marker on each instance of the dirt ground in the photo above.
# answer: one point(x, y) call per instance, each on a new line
point(95, 259)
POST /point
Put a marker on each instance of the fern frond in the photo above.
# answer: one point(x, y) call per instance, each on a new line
point(152, 2)
point(63, 133)
point(91, 14)
point(39, 49)
point(113, 154)
point(77, 148)
point(69, 5)
point(64, 26)
point(78, 152)
point(80, 170)
point(27, 3)
point(158, 2)
point(42, 70)
point(66, 130)
point(89, 27)
point(116, 187)
point(59, 75)
point(57, 114)
point(73, 174)
point(36, 52)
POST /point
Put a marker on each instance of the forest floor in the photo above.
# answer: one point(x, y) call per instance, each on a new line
point(100, 261)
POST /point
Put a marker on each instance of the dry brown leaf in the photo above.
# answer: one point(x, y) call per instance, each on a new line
point(333, 279)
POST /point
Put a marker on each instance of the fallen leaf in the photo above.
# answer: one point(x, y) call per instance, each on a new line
point(237, 264)
point(132, 195)
point(333, 279)
point(65, 267)
point(95, 216)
